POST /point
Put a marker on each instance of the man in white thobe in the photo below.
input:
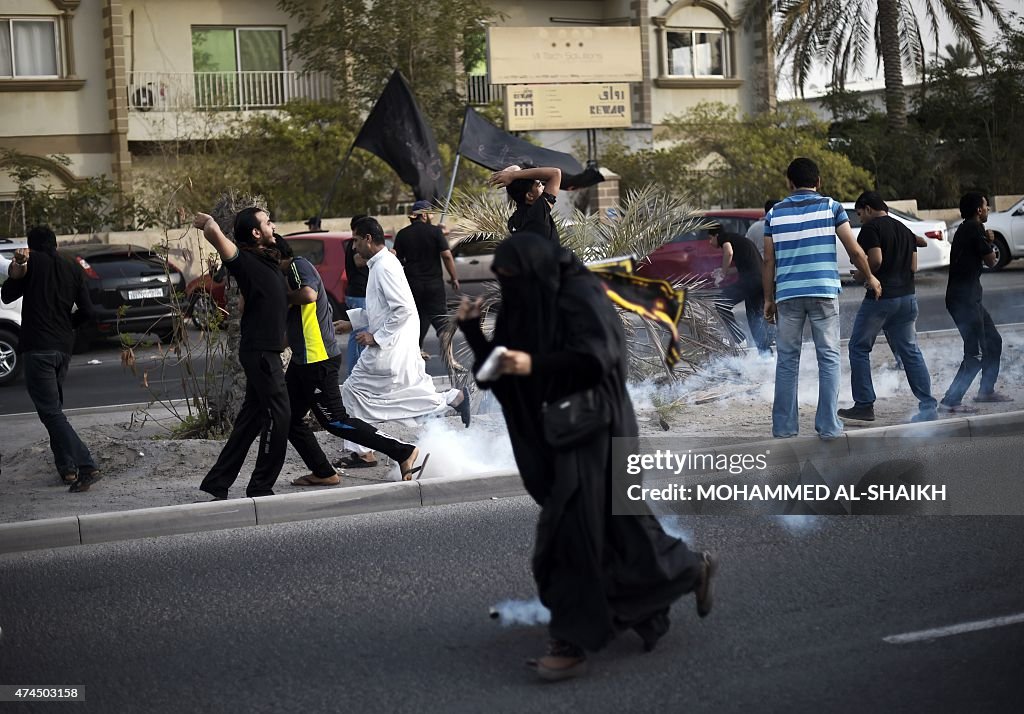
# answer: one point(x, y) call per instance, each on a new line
point(390, 380)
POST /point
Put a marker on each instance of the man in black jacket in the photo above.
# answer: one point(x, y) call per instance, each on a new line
point(51, 286)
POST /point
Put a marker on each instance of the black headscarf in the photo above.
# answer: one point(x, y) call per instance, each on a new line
point(42, 240)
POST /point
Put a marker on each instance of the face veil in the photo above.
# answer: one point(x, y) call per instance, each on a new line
point(529, 273)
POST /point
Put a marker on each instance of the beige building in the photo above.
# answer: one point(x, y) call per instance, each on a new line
point(99, 81)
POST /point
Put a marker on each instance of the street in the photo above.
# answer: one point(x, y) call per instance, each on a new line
point(388, 612)
point(108, 383)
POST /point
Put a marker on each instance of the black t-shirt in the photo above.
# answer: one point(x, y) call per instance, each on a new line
point(535, 218)
point(898, 245)
point(969, 247)
point(744, 256)
point(356, 276)
point(266, 301)
point(50, 288)
point(419, 246)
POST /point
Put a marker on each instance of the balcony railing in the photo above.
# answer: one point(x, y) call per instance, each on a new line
point(190, 91)
point(479, 91)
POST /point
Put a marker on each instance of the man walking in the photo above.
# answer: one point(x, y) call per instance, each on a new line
point(389, 380)
point(312, 379)
point(51, 286)
point(892, 255)
point(983, 346)
point(801, 284)
point(748, 289)
point(255, 264)
point(421, 246)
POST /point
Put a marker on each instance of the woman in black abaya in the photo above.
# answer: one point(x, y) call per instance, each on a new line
point(597, 573)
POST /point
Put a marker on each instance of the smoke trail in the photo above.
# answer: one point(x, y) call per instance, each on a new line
point(521, 612)
point(456, 451)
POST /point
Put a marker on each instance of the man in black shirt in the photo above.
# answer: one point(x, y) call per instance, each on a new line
point(972, 247)
point(739, 251)
point(51, 286)
point(533, 191)
point(421, 247)
point(892, 255)
point(255, 264)
point(356, 274)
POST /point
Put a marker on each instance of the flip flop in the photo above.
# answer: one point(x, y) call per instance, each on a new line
point(312, 480)
point(354, 462)
point(464, 407)
point(415, 472)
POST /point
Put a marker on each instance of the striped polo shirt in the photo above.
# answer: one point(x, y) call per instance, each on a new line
point(310, 326)
point(803, 232)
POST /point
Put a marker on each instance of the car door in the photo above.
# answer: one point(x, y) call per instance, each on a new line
point(1017, 229)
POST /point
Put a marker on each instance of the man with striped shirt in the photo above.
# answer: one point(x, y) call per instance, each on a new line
point(801, 284)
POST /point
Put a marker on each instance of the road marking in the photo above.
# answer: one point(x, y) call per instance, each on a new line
point(951, 630)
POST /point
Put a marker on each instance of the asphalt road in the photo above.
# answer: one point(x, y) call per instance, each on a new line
point(108, 383)
point(388, 612)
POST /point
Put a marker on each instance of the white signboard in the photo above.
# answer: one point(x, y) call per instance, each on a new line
point(567, 106)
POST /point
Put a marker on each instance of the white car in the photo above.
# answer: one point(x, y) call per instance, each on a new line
point(933, 256)
point(10, 319)
point(1009, 229)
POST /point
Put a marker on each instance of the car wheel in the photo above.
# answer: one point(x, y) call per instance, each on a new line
point(10, 362)
point(1002, 254)
point(204, 313)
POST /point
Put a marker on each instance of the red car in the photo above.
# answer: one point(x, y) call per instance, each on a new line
point(324, 249)
point(691, 255)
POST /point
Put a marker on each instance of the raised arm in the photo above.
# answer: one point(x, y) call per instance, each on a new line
point(550, 176)
point(215, 236)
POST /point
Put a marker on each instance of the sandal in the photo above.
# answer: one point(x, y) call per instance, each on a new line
point(354, 462)
point(69, 478)
point(314, 480)
point(415, 473)
point(562, 661)
point(85, 481)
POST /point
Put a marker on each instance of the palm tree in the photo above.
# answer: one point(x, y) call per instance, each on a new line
point(841, 32)
point(646, 219)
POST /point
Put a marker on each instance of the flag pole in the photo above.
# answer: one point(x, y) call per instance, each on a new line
point(334, 183)
point(455, 166)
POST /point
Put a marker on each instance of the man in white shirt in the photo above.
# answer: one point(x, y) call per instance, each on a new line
point(390, 380)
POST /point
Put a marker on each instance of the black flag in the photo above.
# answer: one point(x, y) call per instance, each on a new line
point(396, 131)
point(487, 145)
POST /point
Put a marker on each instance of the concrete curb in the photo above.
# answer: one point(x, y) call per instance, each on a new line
point(374, 498)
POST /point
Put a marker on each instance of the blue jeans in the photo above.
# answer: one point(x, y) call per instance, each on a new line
point(983, 348)
point(823, 314)
point(45, 371)
point(354, 348)
point(897, 316)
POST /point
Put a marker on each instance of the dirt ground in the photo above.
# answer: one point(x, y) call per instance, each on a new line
point(730, 399)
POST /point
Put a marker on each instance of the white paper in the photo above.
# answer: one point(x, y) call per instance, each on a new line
point(357, 316)
point(489, 371)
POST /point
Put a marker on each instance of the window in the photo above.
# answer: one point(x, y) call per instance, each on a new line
point(310, 249)
point(695, 53)
point(238, 66)
point(28, 48)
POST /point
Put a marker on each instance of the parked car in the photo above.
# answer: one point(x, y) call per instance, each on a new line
point(690, 254)
point(933, 256)
point(472, 265)
point(10, 322)
point(131, 288)
point(1008, 227)
point(324, 249)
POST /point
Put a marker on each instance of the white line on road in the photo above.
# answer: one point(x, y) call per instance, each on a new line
point(951, 630)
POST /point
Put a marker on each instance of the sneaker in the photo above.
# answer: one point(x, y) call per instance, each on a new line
point(993, 397)
point(957, 409)
point(924, 416)
point(562, 661)
point(85, 481)
point(864, 413)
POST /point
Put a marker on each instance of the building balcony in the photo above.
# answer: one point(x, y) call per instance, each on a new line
point(211, 91)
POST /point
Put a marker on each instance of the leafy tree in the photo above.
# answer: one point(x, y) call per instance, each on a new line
point(722, 159)
point(841, 32)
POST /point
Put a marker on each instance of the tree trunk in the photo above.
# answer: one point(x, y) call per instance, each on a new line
point(892, 64)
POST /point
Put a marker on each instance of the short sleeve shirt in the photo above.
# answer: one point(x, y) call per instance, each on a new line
point(266, 301)
point(419, 246)
point(310, 326)
point(744, 255)
point(355, 285)
point(802, 228)
point(898, 245)
point(969, 247)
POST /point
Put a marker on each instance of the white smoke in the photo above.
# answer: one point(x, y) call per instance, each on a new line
point(457, 451)
point(521, 612)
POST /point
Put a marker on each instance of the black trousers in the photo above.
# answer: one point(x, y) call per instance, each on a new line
point(45, 371)
point(315, 386)
point(432, 306)
point(264, 413)
point(983, 348)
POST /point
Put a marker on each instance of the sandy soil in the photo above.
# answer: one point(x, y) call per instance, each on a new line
point(730, 399)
